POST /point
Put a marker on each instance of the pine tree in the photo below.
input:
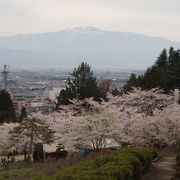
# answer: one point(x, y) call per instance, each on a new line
point(81, 85)
point(31, 131)
point(162, 59)
point(171, 56)
point(131, 82)
point(162, 70)
point(7, 112)
point(174, 69)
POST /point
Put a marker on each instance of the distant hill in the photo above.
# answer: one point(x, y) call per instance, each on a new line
point(67, 48)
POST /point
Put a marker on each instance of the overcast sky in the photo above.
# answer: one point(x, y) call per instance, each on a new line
point(150, 17)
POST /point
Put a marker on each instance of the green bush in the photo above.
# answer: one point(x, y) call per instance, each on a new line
point(115, 170)
point(143, 154)
point(100, 161)
point(124, 164)
point(81, 171)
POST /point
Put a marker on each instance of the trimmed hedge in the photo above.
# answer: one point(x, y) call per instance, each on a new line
point(124, 164)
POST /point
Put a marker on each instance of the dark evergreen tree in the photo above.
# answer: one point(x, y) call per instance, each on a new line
point(165, 73)
point(131, 82)
point(64, 97)
point(171, 56)
point(174, 69)
point(81, 85)
point(7, 112)
point(162, 60)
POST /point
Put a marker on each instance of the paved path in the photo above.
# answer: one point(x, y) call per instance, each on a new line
point(164, 169)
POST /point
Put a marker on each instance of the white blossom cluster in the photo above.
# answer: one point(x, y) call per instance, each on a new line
point(144, 118)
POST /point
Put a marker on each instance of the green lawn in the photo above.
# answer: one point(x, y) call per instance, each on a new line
point(16, 174)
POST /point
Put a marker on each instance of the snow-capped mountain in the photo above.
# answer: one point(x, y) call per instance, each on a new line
point(68, 47)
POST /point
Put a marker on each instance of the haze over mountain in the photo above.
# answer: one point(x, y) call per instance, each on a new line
point(67, 48)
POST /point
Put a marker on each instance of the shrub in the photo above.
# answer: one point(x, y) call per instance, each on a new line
point(124, 164)
point(115, 170)
point(57, 155)
point(81, 171)
point(143, 154)
point(124, 159)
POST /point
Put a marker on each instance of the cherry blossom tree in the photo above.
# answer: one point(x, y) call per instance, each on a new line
point(169, 124)
point(126, 119)
point(143, 118)
point(59, 122)
point(5, 136)
point(31, 131)
point(144, 101)
point(81, 107)
point(161, 128)
point(139, 117)
point(92, 130)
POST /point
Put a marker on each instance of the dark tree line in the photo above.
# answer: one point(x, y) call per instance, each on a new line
point(165, 73)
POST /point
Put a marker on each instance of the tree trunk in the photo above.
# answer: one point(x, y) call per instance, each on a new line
point(30, 154)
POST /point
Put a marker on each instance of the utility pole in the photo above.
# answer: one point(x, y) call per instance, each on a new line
point(5, 73)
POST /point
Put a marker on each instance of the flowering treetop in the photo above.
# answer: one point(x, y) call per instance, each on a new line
point(139, 117)
point(144, 101)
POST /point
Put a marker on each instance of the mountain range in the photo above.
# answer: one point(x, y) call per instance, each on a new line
point(67, 48)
